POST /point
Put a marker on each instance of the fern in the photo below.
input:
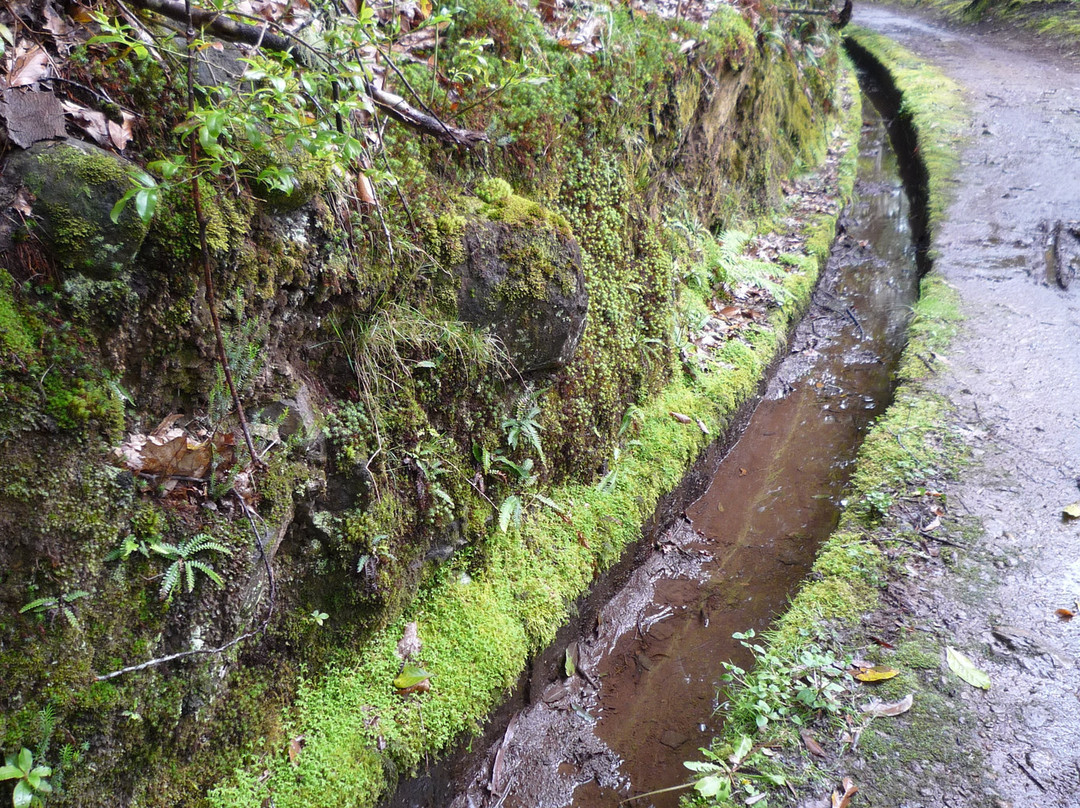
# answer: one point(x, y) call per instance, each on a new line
point(185, 564)
point(53, 607)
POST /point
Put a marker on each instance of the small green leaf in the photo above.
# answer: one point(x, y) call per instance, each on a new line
point(26, 760)
point(568, 662)
point(23, 795)
point(10, 773)
point(410, 675)
point(702, 767)
point(966, 670)
point(742, 747)
point(713, 786)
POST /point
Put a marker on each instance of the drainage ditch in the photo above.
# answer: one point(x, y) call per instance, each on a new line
point(647, 644)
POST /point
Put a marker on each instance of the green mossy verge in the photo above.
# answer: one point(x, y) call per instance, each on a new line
point(487, 612)
point(908, 445)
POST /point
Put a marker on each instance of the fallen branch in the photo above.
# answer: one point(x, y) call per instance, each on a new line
point(227, 28)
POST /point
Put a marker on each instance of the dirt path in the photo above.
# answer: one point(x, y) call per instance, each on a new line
point(1014, 375)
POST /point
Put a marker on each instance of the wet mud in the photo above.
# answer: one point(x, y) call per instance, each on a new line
point(620, 704)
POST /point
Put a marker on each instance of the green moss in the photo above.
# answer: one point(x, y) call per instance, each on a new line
point(494, 190)
point(17, 336)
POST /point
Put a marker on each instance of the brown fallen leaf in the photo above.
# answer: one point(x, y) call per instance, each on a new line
point(843, 800)
point(295, 745)
point(29, 64)
point(877, 709)
point(812, 746)
point(1065, 614)
point(682, 419)
point(881, 642)
point(701, 425)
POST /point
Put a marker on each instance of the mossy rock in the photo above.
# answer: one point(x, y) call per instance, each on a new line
point(75, 186)
point(521, 276)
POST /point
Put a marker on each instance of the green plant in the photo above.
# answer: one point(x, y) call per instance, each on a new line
point(785, 687)
point(524, 425)
point(720, 778)
point(184, 564)
point(31, 781)
point(318, 618)
point(243, 353)
point(52, 607)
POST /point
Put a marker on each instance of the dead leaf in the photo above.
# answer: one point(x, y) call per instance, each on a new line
point(1071, 511)
point(742, 472)
point(701, 425)
point(295, 745)
point(92, 122)
point(1065, 614)
point(881, 642)
point(877, 709)
point(843, 800)
point(120, 133)
point(879, 673)
point(55, 24)
point(29, 65)
point(682, 419)
point(812, 746)
point(174, 453)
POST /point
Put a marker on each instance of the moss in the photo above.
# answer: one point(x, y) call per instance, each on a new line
point(494, 190)
point(75, 188)
point(17, 337)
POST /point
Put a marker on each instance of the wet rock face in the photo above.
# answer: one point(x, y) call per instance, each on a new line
point(72, 188)
point(525, 282)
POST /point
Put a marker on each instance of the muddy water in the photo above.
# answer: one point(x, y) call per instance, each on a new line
point(772, 501)
point(644, 696)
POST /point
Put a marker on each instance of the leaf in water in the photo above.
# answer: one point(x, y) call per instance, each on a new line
point(1065, 614)
point(966, 670)
point(1071, 511)
point(877, 709)
point(410, 676)
point(812, 746)
point(879, 673)
point(682, 419)
point(843, 800)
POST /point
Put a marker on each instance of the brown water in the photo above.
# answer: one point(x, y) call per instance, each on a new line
point(651, 663)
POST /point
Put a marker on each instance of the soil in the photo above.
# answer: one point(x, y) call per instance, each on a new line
point(1014, 377)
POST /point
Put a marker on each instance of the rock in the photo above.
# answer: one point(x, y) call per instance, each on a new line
point(521, 276)
point(672, 739)
point(75, 186)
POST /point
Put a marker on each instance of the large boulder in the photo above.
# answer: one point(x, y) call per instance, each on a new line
point(73, 187)
point(521, 276)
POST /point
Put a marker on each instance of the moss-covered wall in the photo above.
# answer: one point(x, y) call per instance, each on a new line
point(408, 460)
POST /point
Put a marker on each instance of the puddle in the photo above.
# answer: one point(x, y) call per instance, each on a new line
point(649, 663)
